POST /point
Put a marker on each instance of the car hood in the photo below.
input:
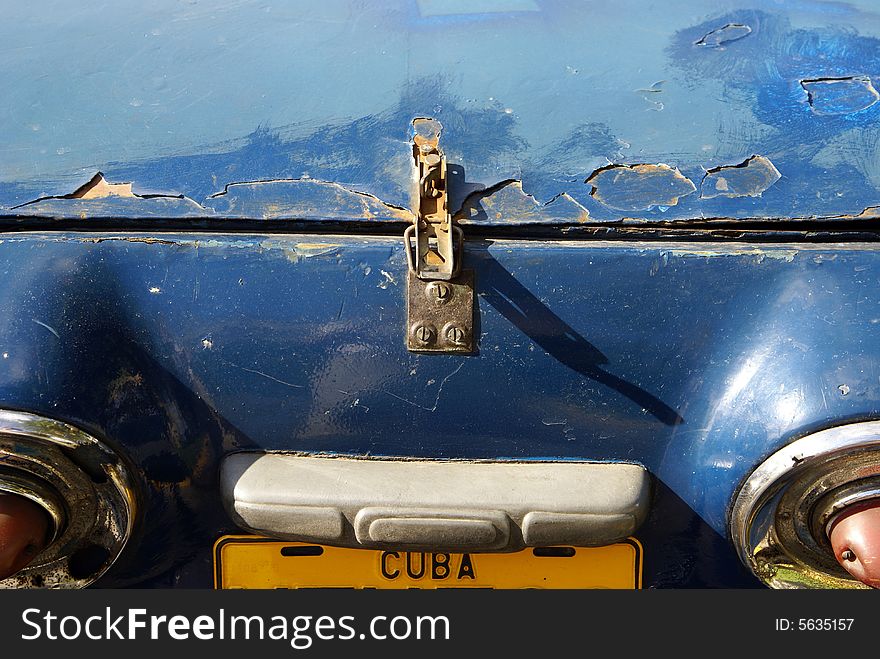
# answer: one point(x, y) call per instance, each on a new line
point(558, 113)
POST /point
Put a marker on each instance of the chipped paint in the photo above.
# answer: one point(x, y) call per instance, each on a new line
point(725, 34)
point(733, 87)
point(870, 213)
point(99, 187)
point(507, 202)
point(844, 95)
point(309, 250)
point(750, 178)
point(269, 199)
point(639, 187)
point(299, 199)
point(650, 95)
point(100, 198)
point(389, 279)
point(123, 385)
point(297, 252)
point(760, 254)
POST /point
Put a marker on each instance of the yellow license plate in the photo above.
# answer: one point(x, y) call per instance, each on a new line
point(247, 561)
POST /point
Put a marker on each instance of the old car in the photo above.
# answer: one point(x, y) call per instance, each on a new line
point(498, 293)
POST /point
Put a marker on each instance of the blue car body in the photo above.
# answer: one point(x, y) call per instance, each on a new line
point(670, 212)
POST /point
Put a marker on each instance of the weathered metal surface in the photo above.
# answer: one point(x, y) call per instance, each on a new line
point(264, 110)
point(440, 314)
point(695, 360)
point(434, 254)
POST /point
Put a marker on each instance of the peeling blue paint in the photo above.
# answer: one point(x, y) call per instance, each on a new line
point(639, 187)
point(750, 178)
point(319, 101)
point(300, 199)
point(840, 95)
point(724, 35)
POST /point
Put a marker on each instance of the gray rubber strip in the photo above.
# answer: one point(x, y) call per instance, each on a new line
point(434, 505)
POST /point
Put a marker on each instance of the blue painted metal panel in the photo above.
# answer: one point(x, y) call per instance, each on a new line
point(695, 360)
point(183, 99)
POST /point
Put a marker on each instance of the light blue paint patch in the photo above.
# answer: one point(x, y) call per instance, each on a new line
point(840, 95)
point(749, 178)
point(639, 187)
point(449, 7)
point(301, 199)
point(724, 35)
point(508, 204)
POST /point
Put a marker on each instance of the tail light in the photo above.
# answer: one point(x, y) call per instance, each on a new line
point(787, 521)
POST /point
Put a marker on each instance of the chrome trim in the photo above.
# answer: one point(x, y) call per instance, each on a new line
point(773, 521)
point(83, 485)
point(829, 510)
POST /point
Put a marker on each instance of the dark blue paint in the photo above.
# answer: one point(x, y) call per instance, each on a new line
point(696, 361)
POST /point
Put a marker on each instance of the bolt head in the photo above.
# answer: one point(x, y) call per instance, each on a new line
point(454, 334)
point(438, 292)
point(424, 334)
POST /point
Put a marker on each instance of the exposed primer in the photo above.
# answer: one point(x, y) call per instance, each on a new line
point(843, 95)
point(869, 213)
point(99, 197)
point(639, 187)
point(750, 178)
point(98, 187)
point(508, 202)
point(725, 34)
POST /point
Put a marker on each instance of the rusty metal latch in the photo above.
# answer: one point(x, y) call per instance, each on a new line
point(440, 295)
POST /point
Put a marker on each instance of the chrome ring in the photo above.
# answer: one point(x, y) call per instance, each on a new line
point(831, 507)
point(83, 485)
point(775, 520)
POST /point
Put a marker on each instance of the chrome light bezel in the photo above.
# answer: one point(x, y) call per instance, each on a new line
point(779, 515)
point(83, 485)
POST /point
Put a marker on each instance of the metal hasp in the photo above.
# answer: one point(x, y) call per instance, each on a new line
point(440, 295)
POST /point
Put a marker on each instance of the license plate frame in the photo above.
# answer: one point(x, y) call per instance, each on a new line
point(249, 561)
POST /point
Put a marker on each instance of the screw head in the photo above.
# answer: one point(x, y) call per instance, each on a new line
point(438, 292)
point(424, 334)
point(454, 334)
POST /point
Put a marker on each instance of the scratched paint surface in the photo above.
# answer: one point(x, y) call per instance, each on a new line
point(186, 100)
point(695, 360)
